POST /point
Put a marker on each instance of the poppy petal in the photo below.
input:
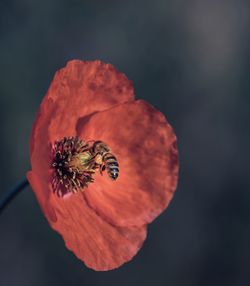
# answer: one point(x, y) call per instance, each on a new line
point(100, 245)
point(145, 146)
point(77, 90)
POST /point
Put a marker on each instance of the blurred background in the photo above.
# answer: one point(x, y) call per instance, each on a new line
point(191, 60)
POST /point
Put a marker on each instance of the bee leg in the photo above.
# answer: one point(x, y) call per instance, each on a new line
point(102, 168)
point(92, 159)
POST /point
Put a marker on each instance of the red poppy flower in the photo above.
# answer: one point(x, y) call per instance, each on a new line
point(101, 196)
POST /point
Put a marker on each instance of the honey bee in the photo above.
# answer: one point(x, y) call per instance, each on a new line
point(104, 159)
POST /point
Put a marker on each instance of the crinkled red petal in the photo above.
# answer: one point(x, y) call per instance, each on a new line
point(77, 90)
point(100, 245)
point(145, 146)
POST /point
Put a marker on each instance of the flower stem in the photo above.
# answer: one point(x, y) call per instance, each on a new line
point(8, 197)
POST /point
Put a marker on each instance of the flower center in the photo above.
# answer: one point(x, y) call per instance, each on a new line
point(75, 162)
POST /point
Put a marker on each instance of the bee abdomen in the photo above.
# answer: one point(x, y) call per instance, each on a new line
point(111, 165)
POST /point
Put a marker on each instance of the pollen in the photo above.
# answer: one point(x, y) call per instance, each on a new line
point(73, 165)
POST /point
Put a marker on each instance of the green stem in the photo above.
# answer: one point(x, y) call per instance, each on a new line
point(8, 197)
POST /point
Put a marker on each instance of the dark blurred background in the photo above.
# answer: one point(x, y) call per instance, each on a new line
point(191, 60)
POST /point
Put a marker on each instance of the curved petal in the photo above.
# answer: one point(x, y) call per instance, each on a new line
point(145, 146)
point(100, 245)
point(77, 90)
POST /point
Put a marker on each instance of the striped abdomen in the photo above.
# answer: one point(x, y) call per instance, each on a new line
point(111, 165)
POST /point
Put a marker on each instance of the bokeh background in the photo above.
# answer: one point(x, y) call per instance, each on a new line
point(191, 60)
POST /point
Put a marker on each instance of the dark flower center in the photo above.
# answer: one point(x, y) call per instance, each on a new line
point(75, 162)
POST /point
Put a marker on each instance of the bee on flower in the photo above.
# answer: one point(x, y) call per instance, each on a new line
point(99, 186)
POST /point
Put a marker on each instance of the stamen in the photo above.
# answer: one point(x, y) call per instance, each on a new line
point(70, 158)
